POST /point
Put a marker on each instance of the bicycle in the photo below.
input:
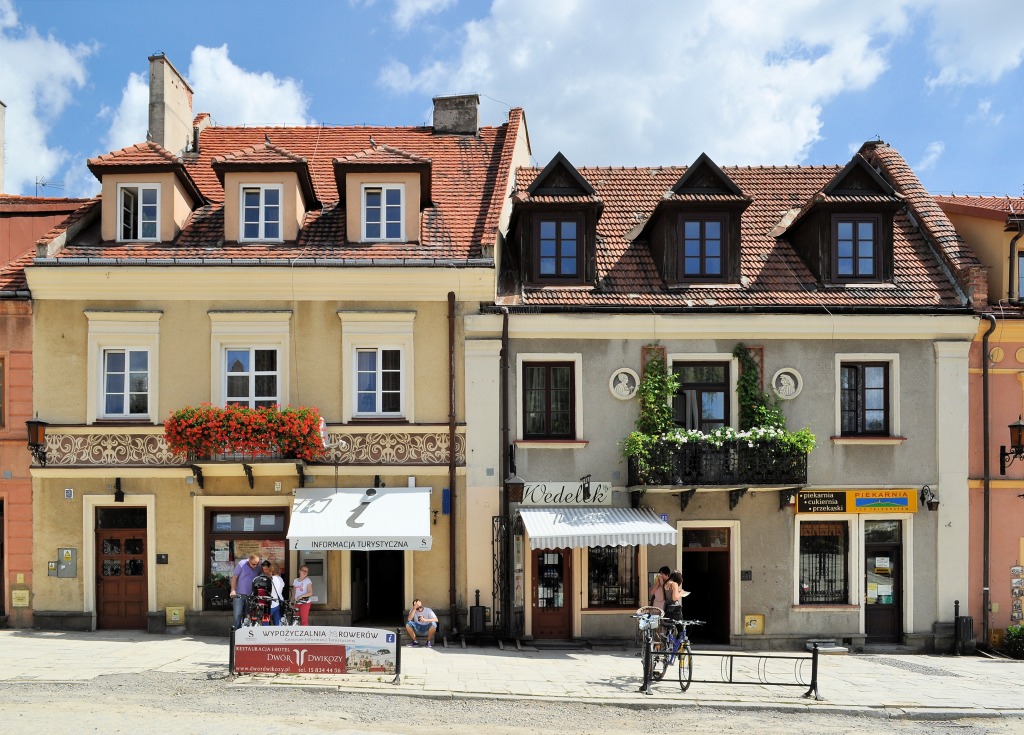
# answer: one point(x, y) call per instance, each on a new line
point(257, 611)
point(674, 648)
point(648, 619)
point(290, 612)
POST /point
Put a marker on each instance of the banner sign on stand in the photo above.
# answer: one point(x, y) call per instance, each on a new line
point(315, 650)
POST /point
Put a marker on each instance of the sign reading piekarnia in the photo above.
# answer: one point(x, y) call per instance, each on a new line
point(315, 650)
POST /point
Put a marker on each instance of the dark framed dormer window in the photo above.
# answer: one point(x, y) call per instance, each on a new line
point(703, 247)
point(856, 243)
point(558, 248)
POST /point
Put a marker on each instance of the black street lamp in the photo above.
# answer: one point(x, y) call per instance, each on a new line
point(37, 439)
point(1016, 446)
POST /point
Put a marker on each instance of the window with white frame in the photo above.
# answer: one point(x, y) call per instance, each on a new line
point(379, 381)
point(867, 396)
point(377, 364)
point(249, 351)
point(123, 356)
point(138, 212)
point(260, 213)
point(251, 377)
point(125, 383)
point(383, 212)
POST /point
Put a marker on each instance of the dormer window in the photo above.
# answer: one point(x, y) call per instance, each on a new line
point(383, 212)
point(139, 212)
point(261, 213)
point(855, 247)
point(558, 247)
point(703, 255)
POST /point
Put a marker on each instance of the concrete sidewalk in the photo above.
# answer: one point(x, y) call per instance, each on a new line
point(913, 686)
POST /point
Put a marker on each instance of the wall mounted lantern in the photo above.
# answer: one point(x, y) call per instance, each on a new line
point(929, 498)
point(1016, 446)
point(37, 440)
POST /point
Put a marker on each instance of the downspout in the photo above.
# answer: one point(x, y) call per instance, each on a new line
point(987, 479)
point(1014, 297)
point(506, 562)
point(454, 611)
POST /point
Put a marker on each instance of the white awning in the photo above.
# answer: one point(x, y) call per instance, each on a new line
point(556, 528)
point(360, 519)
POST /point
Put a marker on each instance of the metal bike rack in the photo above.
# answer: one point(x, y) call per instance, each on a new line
point(728, 670)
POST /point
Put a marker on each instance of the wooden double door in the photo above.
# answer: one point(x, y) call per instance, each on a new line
point(122, 574)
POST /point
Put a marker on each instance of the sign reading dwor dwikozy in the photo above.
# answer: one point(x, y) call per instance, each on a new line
point(895, 500)
point(315, 650)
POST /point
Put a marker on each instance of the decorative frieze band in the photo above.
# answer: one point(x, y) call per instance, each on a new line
point(151, 450)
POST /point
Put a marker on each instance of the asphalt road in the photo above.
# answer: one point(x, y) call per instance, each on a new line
point(152, 702)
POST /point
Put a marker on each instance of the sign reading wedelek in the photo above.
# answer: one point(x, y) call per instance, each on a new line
point(899, 500)
point(566, 493)
point(315, 650)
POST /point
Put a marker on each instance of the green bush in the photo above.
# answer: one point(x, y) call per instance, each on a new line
point(1013, 641)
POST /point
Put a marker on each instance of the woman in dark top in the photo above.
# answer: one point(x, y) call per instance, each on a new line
point(674, 593)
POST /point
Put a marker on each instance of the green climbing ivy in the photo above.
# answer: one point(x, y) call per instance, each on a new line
point(757, 408)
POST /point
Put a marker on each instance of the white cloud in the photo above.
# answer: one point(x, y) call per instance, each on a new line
point(744, 81)
point(932, 153)
point(131, 119)
point(976, 42)
point(233, 95)
point(408, 12)
point(38, 77)
point(985, 115)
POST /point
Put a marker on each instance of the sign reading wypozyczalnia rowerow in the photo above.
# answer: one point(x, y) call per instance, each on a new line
point(315, 650)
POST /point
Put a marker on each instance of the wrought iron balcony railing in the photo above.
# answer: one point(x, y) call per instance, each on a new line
point(734, 463)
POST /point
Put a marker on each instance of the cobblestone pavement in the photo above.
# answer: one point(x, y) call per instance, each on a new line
point(913, 686)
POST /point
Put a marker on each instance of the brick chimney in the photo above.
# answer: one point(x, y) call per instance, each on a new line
point(458, 113)
point(170, 106)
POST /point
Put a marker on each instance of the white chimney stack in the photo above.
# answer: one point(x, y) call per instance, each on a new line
point(170, 106)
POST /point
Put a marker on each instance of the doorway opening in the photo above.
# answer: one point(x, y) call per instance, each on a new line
point(378, 588)
point(706, 575)
point(121, 569)
point(883, 581)
point(552, 594)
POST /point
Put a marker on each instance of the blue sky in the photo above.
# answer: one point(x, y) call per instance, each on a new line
point(606, 82)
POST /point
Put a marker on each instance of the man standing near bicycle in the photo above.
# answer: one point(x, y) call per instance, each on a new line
point(241, 587)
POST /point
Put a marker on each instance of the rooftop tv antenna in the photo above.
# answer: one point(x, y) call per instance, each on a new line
point(42, 183)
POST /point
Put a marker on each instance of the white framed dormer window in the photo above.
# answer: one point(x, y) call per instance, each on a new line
point(549, 399)
point(123, 357)
point(138, 213)
point(377, 365)
point(867, 398)
point(260, 213)
point(383, 208)
point(249, 351)
point(706, 399)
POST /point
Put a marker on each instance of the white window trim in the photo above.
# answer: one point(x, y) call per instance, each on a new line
point(126, 393)
point(383, 222)
point(120, 210)
point(576, 359)
point(252, 374)
point(241, 212)
point(735, 565)
point(379, 392)
point(376, 330)
point(248, 329)
point(894, 396)
point(116, 330)
point(734, 375)
point(855, 573)
point(89, 505)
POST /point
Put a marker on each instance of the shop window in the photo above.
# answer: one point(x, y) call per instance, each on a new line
point(612, 576)
point(824, 563)
point(232, 535)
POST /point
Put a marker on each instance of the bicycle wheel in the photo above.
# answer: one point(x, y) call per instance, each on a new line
point(663, 658)
point(685, 667)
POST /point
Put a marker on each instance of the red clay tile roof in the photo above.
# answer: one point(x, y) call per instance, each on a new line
point(469, 176)
point(140, 154)
point(89, 210)
point(382, 155)
point(258, 155)
point(994, 207)
point(12, 274)
point(14, 203)
point(772, 274)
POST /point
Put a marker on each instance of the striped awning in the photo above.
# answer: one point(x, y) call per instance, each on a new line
point(557, 528)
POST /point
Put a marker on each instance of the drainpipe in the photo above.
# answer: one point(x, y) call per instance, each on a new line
point(454, 611)
point(987, 480)
point(1014, 297)
point(506, 562)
